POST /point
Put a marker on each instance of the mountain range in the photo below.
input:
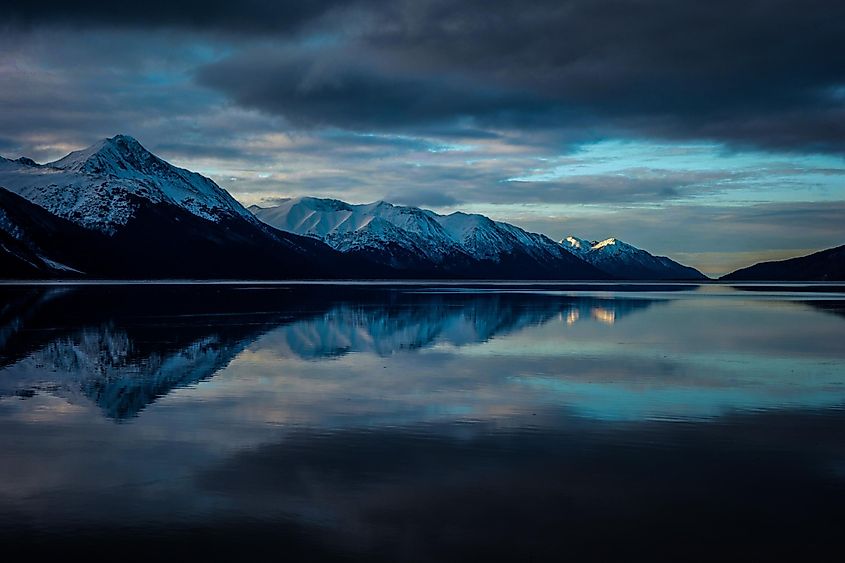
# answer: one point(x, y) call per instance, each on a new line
point(425, 244)
point(460, 244)
point(115, 210)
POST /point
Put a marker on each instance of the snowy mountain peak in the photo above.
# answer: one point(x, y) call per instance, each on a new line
point(580, 246)
point(347, 227)
point(608, 242)
point(411, 234)
point(615, 245)
point(101, 186)
point(120, 156)
point(576, 245)
point(625, 260)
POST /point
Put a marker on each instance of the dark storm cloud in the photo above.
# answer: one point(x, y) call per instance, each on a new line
point(751, 73)
point(759, 73)
point(244, 16)
point(329, 88)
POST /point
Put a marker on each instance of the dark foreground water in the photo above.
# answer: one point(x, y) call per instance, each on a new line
point(422, 423)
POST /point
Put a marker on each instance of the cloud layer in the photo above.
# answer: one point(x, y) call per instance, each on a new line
point(763, 73)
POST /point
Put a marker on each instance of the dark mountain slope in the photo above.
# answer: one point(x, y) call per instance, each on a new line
point(826, 265)
point(160, 241)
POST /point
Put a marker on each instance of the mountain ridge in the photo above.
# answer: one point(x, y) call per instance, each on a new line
point(824, 265)
point(414, 240)
point(389, 232)
point(620, 258)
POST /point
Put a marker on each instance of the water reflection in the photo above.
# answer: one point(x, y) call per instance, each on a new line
point(421, 424)
point(137, 346)
point(122, 353)
point(417, 321)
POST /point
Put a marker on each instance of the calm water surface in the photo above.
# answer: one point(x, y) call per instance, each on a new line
point(423, 423)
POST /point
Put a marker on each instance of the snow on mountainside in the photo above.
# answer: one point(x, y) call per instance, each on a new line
point(109, 226)
point(386, 229)
point(24, 227)
point(382, 226)
point(349, 228)
point(99, 187)
point(627, 261)
point(577, 246)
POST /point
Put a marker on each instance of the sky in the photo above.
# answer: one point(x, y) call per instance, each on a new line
point(712, 132)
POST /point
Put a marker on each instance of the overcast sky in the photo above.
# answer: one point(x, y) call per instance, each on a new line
point(713, 132)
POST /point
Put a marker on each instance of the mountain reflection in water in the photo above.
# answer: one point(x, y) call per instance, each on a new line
point(422, 423)
point(139, 344)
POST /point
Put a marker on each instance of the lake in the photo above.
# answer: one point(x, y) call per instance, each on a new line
point(422, 422)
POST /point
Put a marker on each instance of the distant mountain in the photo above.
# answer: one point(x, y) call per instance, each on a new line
point(116, 210)
point(826, 265)
point(425, 244)
point(460, 244)
point(626, 261)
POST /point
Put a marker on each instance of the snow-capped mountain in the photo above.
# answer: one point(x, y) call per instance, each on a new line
point(626, 261)
point(424, 242)
point(411, 234)
point(116, 210)
point(102, 186)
